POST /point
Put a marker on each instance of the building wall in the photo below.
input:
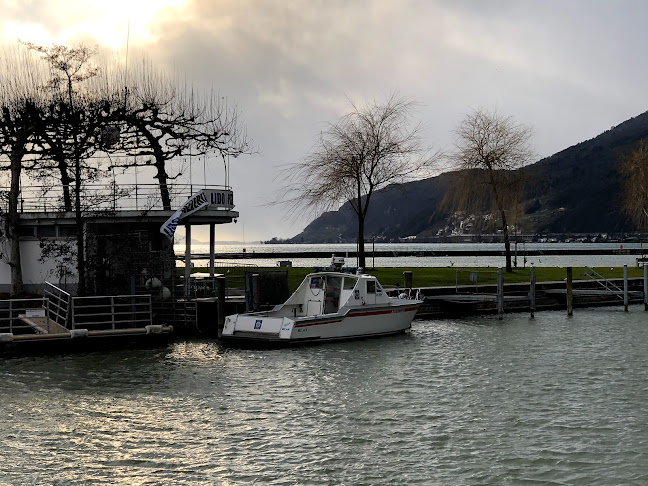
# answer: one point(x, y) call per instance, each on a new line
point(35, 272)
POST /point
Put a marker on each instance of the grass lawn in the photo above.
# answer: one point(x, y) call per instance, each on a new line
point(448, 276)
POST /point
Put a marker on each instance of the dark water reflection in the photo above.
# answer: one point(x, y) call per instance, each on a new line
point(473, 401)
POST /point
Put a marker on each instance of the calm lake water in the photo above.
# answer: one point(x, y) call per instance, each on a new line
point(258, 254)
point(474, 401)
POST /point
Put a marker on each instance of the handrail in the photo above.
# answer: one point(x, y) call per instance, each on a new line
point(609, 286)
point(121, 311)
point(109, 196)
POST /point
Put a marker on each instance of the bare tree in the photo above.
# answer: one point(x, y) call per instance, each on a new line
point(490, 148)
point(372, 146)
point(164, 121)
point(73, 125)
point(21, 105)
point(634, 170)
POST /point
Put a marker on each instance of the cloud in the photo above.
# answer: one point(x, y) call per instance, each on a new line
point(569, 69)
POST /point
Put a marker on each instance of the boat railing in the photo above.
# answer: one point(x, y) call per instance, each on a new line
point(102, 197)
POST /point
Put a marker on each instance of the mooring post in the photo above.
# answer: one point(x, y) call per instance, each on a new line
point(500, 294)
point(212, 243)
point(532, 295)
point(625, 288)
point(570, 293)
point(407, 276)
point(220, 284)
point(645, 287)
point(187, 272)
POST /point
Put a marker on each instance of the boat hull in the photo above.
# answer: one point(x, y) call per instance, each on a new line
point(362, 322)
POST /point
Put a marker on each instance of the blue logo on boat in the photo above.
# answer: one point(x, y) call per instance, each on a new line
point(257, 324)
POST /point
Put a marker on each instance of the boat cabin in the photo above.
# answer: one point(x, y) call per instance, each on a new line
point(327, 292)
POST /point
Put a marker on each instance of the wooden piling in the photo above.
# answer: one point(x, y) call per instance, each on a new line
point(570, 292)
point(407, 276)
point(220, 283)
point(625, 288)
point(187, 261)
point(645, 287)
point(532, 293)
point(500, 294)
point(212, 245)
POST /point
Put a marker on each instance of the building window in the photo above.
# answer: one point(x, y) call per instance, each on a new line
point(46, 231)
point(26, 231)
point(67, 231)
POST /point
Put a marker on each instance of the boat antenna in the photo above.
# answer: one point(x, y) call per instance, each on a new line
point(126, 64)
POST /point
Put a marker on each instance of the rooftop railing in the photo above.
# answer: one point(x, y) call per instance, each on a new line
point(103, 197)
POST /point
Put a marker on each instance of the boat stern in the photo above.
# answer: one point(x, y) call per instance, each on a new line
point(257, 327)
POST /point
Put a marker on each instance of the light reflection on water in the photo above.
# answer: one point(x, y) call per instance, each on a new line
point(458, 401)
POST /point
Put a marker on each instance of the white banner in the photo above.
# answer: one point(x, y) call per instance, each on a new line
point(193, 204)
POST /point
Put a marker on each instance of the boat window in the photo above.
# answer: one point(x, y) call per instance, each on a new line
point(371, 286)
point(349, 283)
point(317, 282)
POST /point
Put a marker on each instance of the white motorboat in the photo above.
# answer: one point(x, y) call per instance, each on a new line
point(327, 306)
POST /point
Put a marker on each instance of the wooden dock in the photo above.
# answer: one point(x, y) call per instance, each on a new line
point(483, 299)
point(59, 322)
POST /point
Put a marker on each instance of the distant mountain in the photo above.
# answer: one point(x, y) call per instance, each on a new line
point(573, 191)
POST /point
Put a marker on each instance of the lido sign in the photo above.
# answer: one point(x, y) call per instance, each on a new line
point(210, 199)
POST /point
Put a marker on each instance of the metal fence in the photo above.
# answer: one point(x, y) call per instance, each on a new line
point(204, 285)
point(111, 312)
point(469, 281)
point(102, 197)
point(16, 314)
point(58, 304)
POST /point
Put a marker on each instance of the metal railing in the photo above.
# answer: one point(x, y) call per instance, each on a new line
point(58, 304)
point(15, 313)
point(603, 282)
point(111, 312)
point(234, 273)
point(467, 281)
point(203, 285)
point(102, 197)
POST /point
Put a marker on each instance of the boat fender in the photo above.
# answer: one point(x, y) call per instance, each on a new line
point(6, 337)
point(153, 283)
point(78, 333)
point(154, 329)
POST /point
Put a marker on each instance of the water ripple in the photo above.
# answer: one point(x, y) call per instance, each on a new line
point(467, 401)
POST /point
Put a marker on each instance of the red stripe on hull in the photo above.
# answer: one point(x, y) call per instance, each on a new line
point(360, 314)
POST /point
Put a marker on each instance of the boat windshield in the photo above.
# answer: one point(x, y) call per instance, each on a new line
point(350, 283)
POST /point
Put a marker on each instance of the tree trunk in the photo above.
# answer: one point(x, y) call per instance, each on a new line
point(66, 181)
point(500, 207)
point(507, 242)
point(163, 179)
point(361, 248)
point(78, 217)
point(12, 226)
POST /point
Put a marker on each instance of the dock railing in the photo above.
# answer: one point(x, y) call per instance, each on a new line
point(58, 304)
point(604, 282)
point(23, 316)
point(111, 312)
point(469, 281)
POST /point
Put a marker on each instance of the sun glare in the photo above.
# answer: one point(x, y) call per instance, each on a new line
point(110, 24)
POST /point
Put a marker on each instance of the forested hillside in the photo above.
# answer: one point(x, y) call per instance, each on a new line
point(573, 191)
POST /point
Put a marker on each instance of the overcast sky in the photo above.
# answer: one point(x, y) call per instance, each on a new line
point(570, 69)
